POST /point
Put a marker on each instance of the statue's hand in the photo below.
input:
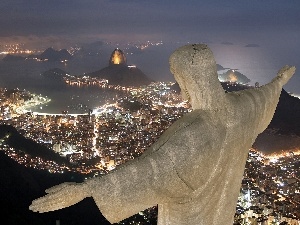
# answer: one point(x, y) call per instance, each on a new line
point(285, 73)
point(60, 196)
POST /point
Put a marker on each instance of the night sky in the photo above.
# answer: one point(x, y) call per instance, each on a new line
point(255, 36)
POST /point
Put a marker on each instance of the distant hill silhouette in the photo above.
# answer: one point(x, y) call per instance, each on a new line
point(55, 73)
point(49, 54)
point(12, 58)
point(115, 74)
point(283, 133)
point(234, 76)
point(120, 74)
point(52, 55)
point(287, 115)
point(219, 67)
point(252, 46)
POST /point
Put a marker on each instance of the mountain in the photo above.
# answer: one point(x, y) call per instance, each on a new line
point(283, 133)
point(12, 58)
point(64, 54)
point(287, 115)
point(120, 74)
point(55, 73)
point(52, 55)
point(49, 54)
point(32, 56)
point(234, 76)
point(219, 67)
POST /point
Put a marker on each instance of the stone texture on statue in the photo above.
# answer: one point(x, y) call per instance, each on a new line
point(194, 171)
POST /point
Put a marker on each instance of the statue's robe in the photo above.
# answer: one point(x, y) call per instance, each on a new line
point(194, 171)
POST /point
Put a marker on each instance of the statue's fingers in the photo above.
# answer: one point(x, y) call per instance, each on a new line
point(287, 69)
point(292, 69)
point(58, 187)
point(54, 201)
point(49, 199)
point(47, 206)
point(285, 73)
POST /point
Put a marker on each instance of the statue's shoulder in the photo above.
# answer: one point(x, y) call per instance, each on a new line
point(185, 121)
point(192, 123)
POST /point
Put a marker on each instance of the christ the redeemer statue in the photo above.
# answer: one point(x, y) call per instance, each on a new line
point(194, 170)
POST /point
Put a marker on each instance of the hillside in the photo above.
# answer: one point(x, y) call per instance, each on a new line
point(233, 76)
point(12, 58)
point(122, 75)
point(55, 73)
point(53, 55)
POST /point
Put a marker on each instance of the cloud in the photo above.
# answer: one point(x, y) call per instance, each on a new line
point(252, 46)
point(226, 43)
point(192, 21)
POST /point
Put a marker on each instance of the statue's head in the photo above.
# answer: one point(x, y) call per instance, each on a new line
point(195, 70)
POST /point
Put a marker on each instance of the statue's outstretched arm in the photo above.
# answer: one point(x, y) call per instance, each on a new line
point(284, 74)
point(121, 193)
point(60, 196)
point(263, 100)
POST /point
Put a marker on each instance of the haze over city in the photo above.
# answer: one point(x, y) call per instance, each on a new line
point(257, 37)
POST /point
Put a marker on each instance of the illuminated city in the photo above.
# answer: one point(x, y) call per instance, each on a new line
point(113, 132)
point(15, 49)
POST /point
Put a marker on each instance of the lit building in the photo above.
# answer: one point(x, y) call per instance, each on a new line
point(117, 58)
